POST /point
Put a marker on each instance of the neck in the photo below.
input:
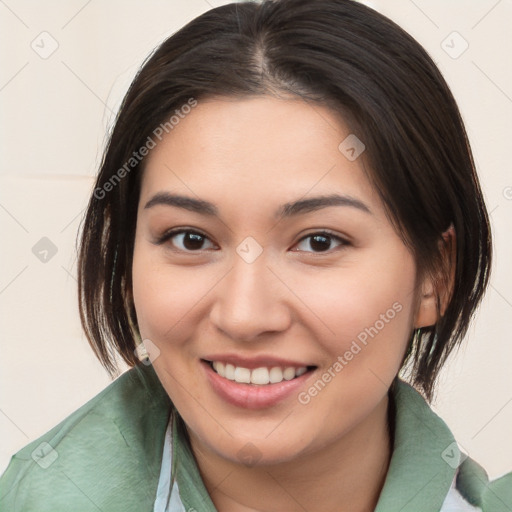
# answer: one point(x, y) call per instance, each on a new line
point(346, 475)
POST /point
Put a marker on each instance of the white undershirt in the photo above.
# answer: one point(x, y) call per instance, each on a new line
point(162, 502)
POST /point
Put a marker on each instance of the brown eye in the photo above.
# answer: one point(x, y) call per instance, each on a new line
point(185, 240)
point(321, 242)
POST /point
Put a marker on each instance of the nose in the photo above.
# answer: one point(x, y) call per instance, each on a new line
point(250, 301)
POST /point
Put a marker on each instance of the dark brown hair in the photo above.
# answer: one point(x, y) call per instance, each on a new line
point(337, 53)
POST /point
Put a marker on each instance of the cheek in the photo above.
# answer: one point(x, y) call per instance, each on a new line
point(154, 297)
point(165, 300)
point(369, 310)
point(366, 309)
point(167, 297)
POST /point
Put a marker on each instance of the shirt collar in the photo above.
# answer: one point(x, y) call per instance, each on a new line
point(425, 456)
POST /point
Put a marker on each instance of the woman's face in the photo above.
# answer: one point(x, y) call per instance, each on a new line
point(253, 283)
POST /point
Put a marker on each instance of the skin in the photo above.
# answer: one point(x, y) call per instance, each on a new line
point(296, 301)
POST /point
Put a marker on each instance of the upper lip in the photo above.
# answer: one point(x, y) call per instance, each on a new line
point(259, 361)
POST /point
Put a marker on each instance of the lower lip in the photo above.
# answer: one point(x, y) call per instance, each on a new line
point(253, 396)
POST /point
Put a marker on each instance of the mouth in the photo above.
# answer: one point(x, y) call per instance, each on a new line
point(261, 376)
point(259, 384)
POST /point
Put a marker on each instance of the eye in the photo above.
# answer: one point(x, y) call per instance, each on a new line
point(185, 240)
point(321, 241)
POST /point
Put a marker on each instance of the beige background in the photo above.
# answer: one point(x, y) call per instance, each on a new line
point(55, 114)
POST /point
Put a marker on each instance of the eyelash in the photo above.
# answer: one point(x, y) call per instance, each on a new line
point(329, 234)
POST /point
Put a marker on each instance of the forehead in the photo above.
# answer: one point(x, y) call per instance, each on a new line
point(254, 149)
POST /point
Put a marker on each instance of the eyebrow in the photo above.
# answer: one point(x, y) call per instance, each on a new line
point(300, 207)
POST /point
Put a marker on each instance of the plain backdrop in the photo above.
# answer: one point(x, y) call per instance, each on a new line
point(65, 67)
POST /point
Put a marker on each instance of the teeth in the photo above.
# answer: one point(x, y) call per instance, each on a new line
point(289, 373)
point(230, 372)
point(219, 368)
point(300, 371)
point(260, 376)
point(242, 375)
point(276, 375)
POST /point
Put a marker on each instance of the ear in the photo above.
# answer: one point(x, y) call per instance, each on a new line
point(436, 291)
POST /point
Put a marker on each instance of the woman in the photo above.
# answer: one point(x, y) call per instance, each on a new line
point(269, 374)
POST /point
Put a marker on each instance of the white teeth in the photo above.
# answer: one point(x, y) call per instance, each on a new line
point(219, 368)
point(242, 375)
point(230, 372)
point(300, 371)
point(276, 375)
point(289, 373)
point(260, 376)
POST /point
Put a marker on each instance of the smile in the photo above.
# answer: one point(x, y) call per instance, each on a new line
point(258, 387)
point(260, 376)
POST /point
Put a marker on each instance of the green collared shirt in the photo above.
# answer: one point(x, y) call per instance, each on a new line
point(108, 456)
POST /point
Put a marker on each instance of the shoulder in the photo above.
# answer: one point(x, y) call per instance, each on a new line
point(104, 455)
